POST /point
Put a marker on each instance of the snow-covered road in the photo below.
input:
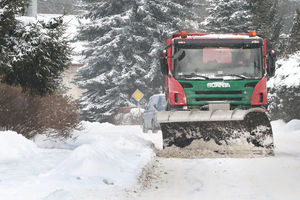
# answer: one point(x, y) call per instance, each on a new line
point(273, 178)
point(106, 162)
point(225, 179)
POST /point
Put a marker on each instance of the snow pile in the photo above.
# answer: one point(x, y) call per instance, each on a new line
point(99, 157)
point(293, 127)
point(287, 72)
point(287, 137)
point(106, 152)
point(14, 147)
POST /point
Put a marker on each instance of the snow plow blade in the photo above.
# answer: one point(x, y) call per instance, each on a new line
point(216, 133)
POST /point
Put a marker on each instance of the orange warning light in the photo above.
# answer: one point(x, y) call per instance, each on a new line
point(252, 33)
point(183, 34)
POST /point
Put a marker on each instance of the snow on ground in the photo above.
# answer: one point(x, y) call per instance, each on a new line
point(22, 148)
point(104, 161)
point(103, 157)
point(273, 178)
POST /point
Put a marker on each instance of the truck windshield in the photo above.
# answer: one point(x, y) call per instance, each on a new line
point(218, 62)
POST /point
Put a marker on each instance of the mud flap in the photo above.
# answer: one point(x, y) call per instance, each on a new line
point(251, 136)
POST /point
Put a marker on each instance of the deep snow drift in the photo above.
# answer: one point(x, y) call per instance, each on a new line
point(104, 161)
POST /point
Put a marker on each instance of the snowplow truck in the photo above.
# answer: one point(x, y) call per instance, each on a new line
point(215, 87)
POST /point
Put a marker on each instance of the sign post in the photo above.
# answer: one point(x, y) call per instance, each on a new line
point(138, 95)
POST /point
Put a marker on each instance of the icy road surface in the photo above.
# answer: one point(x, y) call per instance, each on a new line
point(106, 162)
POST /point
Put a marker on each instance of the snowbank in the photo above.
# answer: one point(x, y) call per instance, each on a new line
point(115, 154)
point(100, 157)
point(14, 147)
point(287, 138)
point(289, 128)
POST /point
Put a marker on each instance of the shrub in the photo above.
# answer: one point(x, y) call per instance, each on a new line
point(30, 115)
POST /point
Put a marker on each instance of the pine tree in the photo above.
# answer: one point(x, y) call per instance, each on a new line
point(125, 37)
point(245, 15)
point(8, 26)
point(294, 41)
point(267, 20)
point(284, 103)
point(228, 16)
point(284, 100)
point(284, 89)
point(34, 55)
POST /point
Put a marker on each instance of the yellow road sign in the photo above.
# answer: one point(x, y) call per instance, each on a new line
point(137, 95)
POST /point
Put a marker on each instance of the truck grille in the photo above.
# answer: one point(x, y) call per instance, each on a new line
point(219, 95)
point(199, 94)
point(218, 92)
point(220, 99)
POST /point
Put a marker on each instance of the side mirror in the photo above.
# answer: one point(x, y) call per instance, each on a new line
point(164, 63)
point(271, 61)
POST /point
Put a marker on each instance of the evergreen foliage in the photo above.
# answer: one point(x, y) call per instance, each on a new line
point(228, 16)
point(267, 20)
point(235, 16)
point(284, 89)
point(8, 27)
point(125, 37)
point(294, 41)
point(284, 99)
point(33, 55)
point(285, 103)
